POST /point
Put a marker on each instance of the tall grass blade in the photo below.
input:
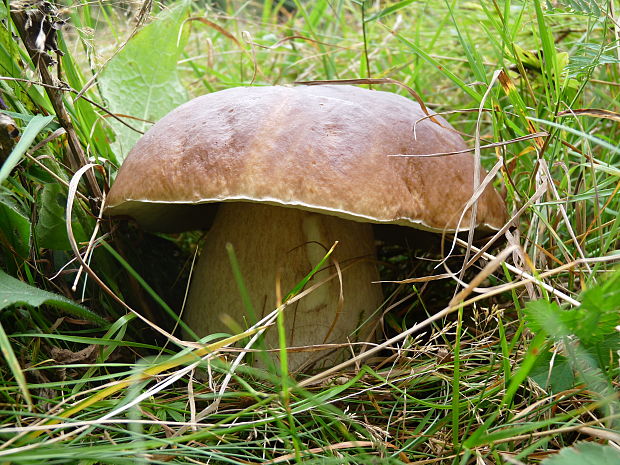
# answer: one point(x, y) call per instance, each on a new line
point(35, 126)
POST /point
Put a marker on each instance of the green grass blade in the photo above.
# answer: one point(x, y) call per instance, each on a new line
point(390, 10)
point(446, 72)
point(456, 381)
point(35, 126)
point(13, 363)
point(150, 291)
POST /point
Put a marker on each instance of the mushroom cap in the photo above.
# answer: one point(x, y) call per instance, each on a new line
point(318, 148)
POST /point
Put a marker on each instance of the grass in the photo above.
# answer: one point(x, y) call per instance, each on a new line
point(511, 374)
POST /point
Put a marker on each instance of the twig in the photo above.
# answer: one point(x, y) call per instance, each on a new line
point(468, 150)
point(66, 88)
point(76, 155)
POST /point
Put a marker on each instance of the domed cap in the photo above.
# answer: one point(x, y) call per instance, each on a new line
point(318, 148)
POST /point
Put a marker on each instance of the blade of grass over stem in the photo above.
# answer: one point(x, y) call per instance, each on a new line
point(246, 301)
point(150, 291)
point(456, 380)
point(243, 291)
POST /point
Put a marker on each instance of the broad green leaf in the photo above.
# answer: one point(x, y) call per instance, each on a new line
point(35, 126)
point(548, 317)
point(14, 227)
point(606, 296)
point(141, 80)
point(15, 292)
point(553, 373)
point(51, 230)
point(585, 453)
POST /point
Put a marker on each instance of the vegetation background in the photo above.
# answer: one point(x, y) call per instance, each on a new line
point(513, 371)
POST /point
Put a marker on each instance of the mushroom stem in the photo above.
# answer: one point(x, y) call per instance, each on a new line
point(277, 244)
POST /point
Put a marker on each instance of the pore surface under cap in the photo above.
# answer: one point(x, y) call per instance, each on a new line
point(319, 148)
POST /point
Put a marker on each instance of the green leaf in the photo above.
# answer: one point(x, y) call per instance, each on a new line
point(35, 126)
point(51, 230)
point(585, 453)
point(16, 292)
point(141, 81)
point(87, 122)
point(592, 322)
point(583, 7)
point(548, 317)
point(14, 227)
point(549, 62)
point(524, 369)
point(554, 373)
point(584, 135)
point(528, 58)
point(606, 296)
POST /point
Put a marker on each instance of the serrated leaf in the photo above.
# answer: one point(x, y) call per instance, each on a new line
point(548, 317)
point(51, 230)
point(14, 227)
point(585, 7)
point(585, 453)
point(141, 80)
point(605, 296)
point(15, 292)
point(592, 322)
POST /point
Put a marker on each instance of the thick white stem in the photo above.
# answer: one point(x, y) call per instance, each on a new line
point(276, 244)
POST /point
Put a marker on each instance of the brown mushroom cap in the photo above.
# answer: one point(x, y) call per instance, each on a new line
point(319, 148)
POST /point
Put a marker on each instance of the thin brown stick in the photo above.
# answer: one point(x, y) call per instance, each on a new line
point(486, 146)
point(65, 88)
point(75, 154)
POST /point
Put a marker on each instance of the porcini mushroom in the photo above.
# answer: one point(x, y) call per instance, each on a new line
point(291, 170)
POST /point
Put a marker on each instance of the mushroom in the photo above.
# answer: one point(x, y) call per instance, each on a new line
point(282, 173)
